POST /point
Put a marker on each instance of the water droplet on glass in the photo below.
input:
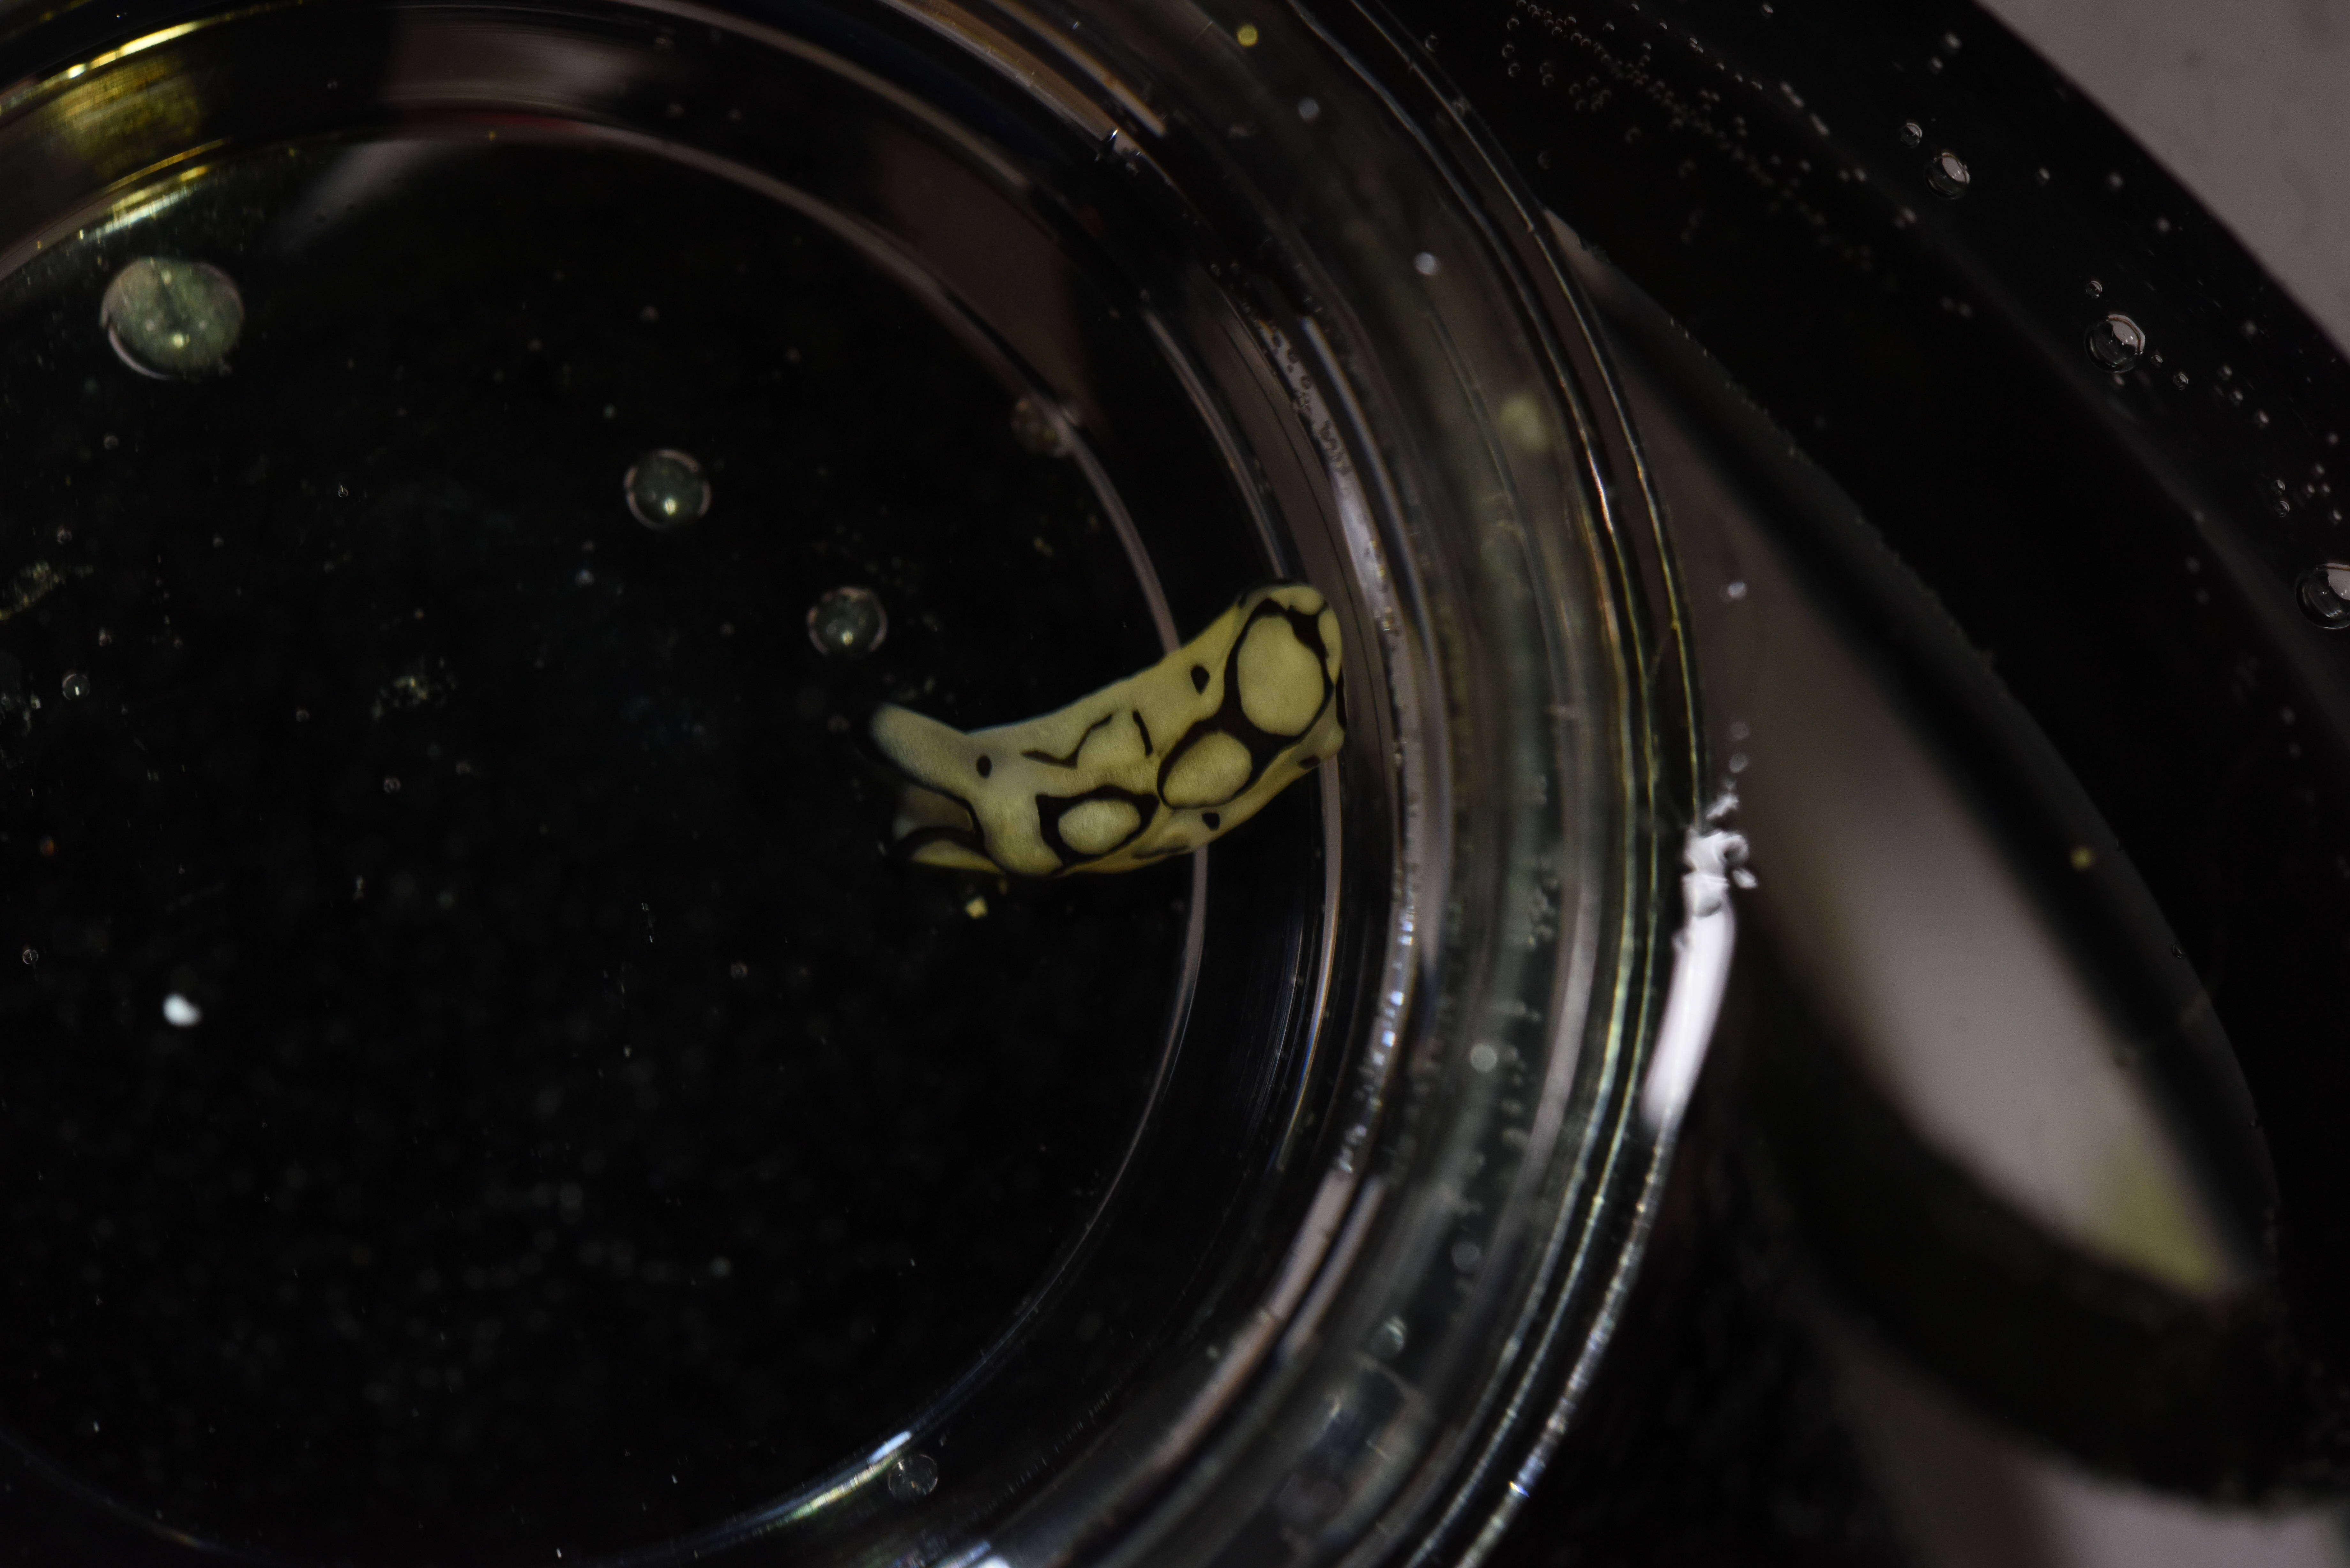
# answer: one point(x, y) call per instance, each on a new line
point(2326, 595)
point(848, 623)
point(913, 1477)
point(1948, 175)
point(2115, 343)
point(76, 685)
point(182, 1013)
point(1035, 429)
point(1912, 133)
point(170, 318)
point(666, 490)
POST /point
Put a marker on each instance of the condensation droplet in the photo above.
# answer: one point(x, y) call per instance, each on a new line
point(76, 686)
point(1948, 175)
point(182, 1013)
point(666, 490)
point(171, 320)
point(2324, 592)
point(914, 1477)
point(2116, 342)
point(1037, 430)
point(848, 623)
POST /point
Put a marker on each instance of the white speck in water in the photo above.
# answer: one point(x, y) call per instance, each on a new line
point(1308, 110)
point(1733, 591)
point(848, 623)
point(1483, 1058)
point(976, 907)
point(76, 685)
point(171, 318)
point(914, 1477)
point(666, 490)
point(182, 1013)
point(1426, 265)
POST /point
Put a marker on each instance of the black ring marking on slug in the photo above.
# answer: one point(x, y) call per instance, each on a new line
point(1145, 729)
point(1199, 678)
point(986, 765)
point(1263, 746)
point(967, 837)
point(1050, 761)
point(1051, 808)
point(1212, 820)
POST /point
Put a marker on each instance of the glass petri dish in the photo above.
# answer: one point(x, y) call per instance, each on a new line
point(486, 1091)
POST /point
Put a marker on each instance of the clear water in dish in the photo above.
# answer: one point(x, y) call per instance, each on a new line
point(476, 1083)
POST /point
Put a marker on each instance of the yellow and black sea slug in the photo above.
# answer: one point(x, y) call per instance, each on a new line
point(1151, 766)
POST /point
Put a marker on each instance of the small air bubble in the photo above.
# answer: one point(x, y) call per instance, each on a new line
point(1308, 110)
point(1035, 427)
point(2324, 592)
point(2096, 290)
point(848, 623)
point(1733, 591)
point(1912, 133)
point(171, 320)
point(2115, 343)
point(1948, 175)
point(74, 686)
point(1426, 265)
point(30, 956)
point(913, 1478)
point(666, 490)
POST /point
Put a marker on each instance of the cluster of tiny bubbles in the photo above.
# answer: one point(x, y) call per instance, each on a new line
point(1948, 175)
point(2117, 343)
point(914, 1477)
point(170, 318)
point(1035, 429)
point(2324, 592)
point(666, 490)
point(76, 685)
point(848, 623)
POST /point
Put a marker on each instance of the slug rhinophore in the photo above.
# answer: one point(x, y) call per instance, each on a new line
point(1149, 766)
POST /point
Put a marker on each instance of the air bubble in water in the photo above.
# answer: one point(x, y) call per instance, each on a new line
point(1035, 428)
point(75, 685)
point(1949, 175)
point(848, 623)
point(915, 1476)
point(666, 490)
point(2116, 343)
point(171, 318)
point(2326, 595)
point(1912, 133)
